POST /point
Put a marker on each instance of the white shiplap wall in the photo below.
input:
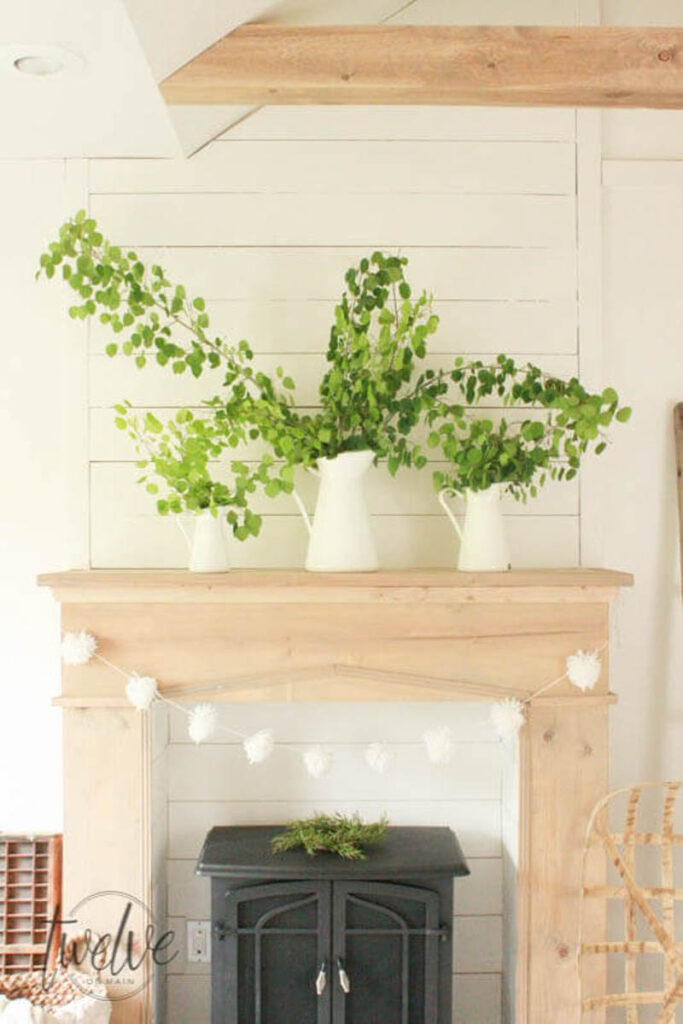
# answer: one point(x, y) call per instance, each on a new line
point(264, 222)
point(212, 784)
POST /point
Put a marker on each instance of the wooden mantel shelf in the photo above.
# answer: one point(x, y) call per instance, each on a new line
point(273, 586)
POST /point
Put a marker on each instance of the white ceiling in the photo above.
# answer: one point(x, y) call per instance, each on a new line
point(108, 107)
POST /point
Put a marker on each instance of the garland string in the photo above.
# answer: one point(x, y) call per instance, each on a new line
point(508, 715)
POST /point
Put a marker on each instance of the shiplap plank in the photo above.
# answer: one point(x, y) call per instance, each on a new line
point(304, 326)
point(336, 167)
point(190, 896)
point(398, 722)
point(425, 123)
point(311, 220)
point(112, 380)
point(291, 274)
point(189, 999)
point(222, 772)
point(409, 493)
point(476, 822)
point(477, 998)
point(403, 542)
point(478, 944)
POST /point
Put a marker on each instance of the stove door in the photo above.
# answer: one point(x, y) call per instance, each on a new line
point(271, 954)
point(385, 954)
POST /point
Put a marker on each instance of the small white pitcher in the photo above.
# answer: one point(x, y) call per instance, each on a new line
point(483, 543)
point(207, 546)
point(340, 536)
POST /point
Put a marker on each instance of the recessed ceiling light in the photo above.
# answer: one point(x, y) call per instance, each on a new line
point(38, 60)
point(39, 64)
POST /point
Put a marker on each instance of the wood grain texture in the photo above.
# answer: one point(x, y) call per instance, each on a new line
point(107, 824)
point(421, 585)
point(564, 775)
point(298, 219)
point(601, 66)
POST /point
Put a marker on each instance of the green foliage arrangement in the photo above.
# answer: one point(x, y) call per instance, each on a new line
point(153, 319)
point(344, 836)
point(178, 456)
point(374, 394)
point(524, 452)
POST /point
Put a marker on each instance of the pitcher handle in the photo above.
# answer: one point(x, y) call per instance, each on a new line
point(302, 508)
point(179, 524)
point(447, 509)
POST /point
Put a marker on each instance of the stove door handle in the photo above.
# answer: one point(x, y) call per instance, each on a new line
point(321, 980)
point(344, 980)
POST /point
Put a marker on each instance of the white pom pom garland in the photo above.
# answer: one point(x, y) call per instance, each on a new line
point(583, 669)
point(440, 745)
point(202, 722)
point(141, 691)
point(260, 746)
point(318, 761)
point(508, 718)
point(78, 648)
point(379, 757)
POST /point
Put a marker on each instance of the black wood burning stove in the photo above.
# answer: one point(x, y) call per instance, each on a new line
point(302, 940)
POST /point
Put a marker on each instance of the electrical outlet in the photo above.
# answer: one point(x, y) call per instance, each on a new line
point(199, 942)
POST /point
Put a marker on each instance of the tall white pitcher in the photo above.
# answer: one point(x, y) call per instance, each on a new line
point(483, 543)
point(340, 536)
point(207, 544)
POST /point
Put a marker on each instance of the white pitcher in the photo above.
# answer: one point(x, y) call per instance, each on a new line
point(340, 536)
point(207, 546)
point(483, 544)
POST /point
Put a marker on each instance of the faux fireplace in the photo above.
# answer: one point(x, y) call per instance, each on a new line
point(423, 635)
point(332, 941)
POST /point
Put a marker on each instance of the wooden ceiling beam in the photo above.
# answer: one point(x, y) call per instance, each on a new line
point(603, 66)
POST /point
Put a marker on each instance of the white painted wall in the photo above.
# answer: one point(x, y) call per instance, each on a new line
point(642, 354)
point(43, 426)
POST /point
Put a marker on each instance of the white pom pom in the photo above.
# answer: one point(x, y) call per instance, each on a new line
point(583, 669)
point(202, 722)
point(318, 761)
point(379, 756)
point(78, 648)
point(440, 744)
point(260, 746)
point(141, 691)
point(508, 718)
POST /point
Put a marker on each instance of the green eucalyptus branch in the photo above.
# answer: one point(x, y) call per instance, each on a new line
point(177, 456)
point(521, 456)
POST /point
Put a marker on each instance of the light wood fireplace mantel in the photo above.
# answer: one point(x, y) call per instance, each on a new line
point(418, 635)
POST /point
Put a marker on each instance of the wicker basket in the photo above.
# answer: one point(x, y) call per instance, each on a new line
point(62, 993)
